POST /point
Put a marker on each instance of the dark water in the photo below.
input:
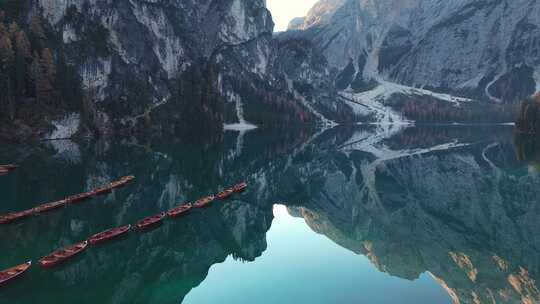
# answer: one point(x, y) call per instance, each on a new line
point(363, 214)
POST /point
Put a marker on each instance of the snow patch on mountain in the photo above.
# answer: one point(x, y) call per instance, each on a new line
point(242, 124)
point(65, 127)
point(372, 102)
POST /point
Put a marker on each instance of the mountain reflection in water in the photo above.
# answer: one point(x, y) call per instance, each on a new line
point(455, 202)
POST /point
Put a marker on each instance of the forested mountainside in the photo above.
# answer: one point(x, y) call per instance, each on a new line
point(169, 66)
point(98, 67)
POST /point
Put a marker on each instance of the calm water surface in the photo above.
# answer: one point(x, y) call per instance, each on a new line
point(347, 215)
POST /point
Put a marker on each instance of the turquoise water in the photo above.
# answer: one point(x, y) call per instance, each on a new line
point(352, 214)
point(300, 266)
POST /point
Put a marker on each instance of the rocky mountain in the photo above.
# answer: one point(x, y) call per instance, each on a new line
point(486, 50)
point(166, 65)
point(175, 66)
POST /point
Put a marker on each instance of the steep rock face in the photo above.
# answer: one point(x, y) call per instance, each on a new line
point(167, 63)
point(474, 48)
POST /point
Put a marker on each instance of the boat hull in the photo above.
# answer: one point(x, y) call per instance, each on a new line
point(150, 222)
point(61, 256)
point(11, 274)
point(10, 218)
point(108, 235)
point(50, 206)
point(223, 195)
point(180, 211)
point(240, 187)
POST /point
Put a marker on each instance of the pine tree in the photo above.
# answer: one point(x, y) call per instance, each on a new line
point(34, 74)
point(22, 45)
point(37, 33)
point(23, 56)
point(6, 50)
point(7, 57)
point(46, 76)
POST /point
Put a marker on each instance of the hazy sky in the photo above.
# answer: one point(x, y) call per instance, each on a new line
point(284, 11)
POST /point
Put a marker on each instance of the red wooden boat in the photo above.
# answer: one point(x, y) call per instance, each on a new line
point(12, 217)
point(62, 255)
point(102, 190)
point(181, 210)
point(151, 221)
point(225, 194)
point(204, 202)
point(78, 198)
point(128, 179)
point(108, 235)
point(240, 187)
point(118, 184)
point(50, 206)
point(14, 272)
point(8, 167)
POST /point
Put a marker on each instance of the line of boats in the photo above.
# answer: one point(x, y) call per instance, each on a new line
point(16, 216)
point(5, 169)
point(64, 254)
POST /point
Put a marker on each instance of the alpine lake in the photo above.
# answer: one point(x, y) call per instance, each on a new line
point(352, 214)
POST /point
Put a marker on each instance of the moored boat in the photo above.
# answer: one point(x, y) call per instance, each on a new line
point(118, 184)
point(225, 194)
point(79, 198)
point(12, 217)
point(128, 179)
point(151, 221)
point(9, 167)
point(14, 272)
point(102, 190)
point(62, 255)
point(181, 210)
point(50, 206)
point(108, 235)
point(241, 187)
point(204, 202)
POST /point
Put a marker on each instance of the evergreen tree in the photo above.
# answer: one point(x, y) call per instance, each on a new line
point(7, 58)
point(46, 76)
point(34, 74)
point(37, 33)
point(6, 49)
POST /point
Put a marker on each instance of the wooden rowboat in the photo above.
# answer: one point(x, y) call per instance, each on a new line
point(102, 190)
point(225, 194)
point(241, 187)
point(204, 202)
point(118, 184)
point(62, 255)
point(8, 167)
point(181, 210)
point(50, 206)
point(108, 235)
point(14, 272)
point(128, 179)
point(151, 221)
point(78, 198)
point(122, 182)
point(12, 217)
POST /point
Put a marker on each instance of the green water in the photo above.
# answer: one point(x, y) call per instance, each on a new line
point(347, 215)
